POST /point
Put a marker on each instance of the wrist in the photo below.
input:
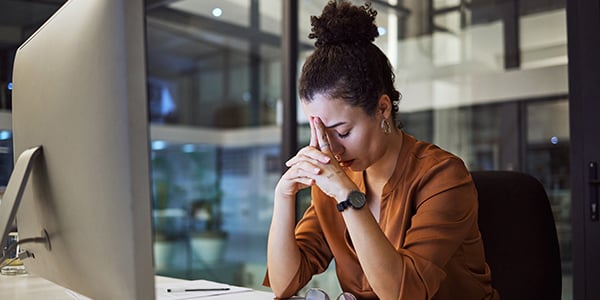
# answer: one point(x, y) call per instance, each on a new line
point(355, 199)
point(342, 194)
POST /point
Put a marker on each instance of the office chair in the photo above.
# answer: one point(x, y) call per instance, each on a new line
point(519, 235)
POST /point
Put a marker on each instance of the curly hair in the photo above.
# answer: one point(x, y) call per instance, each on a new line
point(346, 64)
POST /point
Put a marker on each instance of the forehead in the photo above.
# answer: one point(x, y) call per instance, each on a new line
point(331, 110)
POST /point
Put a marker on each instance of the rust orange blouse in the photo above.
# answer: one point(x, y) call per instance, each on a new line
point(428, 212)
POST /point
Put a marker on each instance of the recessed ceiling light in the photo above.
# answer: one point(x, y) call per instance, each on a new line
point(159, 145)
point(217, 12)
point(5, 135)
point(188, 148)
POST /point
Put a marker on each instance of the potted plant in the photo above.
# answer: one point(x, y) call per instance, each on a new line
point(168, 222)
point(207, 238)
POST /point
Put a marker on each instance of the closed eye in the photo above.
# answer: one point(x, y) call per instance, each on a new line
point(344, 135)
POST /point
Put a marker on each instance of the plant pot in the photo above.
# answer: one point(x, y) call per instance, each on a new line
point(208, 247)
point(163, 253)
point(168, 253)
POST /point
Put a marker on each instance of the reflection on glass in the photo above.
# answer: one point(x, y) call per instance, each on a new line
point(207, 70)
point(214, 85)
point(6, 157)
point(548, 159)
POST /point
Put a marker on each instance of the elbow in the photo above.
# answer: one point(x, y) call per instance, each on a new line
point(280, 289)
point(282, 295)
point(391, 294)
point(281, 292)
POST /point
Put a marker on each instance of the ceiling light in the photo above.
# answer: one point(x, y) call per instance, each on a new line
point(159, 145)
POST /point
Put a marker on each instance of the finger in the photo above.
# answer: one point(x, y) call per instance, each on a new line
point(290, 184)
point(306, 165)
point(302, 176)
point(322, 137)
point(305, 181)
point(308, 153)
point(296, 173)
point(313, 133)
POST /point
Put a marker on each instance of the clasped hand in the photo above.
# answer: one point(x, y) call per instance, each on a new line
point(315, 164)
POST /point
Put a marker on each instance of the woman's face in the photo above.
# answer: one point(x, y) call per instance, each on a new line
point(355, 138)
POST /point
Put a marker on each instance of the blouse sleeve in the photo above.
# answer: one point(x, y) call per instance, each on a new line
point(445, 204)
point(314, 251)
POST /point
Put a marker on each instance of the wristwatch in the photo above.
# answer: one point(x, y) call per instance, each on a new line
point(355, 199)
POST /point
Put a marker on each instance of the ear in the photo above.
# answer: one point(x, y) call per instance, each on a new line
point(384, 106)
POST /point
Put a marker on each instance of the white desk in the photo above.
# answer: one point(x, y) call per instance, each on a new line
point(31, 287)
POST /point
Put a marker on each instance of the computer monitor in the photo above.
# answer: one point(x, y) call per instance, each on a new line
point(79, 92)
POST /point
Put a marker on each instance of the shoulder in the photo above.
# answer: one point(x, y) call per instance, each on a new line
point(424, 157)
point(431, 169)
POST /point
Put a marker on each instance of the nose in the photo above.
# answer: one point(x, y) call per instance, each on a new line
point(336, 148)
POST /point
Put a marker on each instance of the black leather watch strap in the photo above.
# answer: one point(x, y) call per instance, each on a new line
point(355, 198)
point(343, 205)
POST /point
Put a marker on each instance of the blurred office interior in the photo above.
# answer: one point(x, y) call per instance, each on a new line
point(484, 79)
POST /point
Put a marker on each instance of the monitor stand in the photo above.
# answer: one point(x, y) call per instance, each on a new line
point(14, 191)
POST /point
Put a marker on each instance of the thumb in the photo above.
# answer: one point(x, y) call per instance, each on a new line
point(322, 137)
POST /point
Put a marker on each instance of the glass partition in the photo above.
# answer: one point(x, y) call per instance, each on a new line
point(214, 81)
point(486, 80)
point(6, 150)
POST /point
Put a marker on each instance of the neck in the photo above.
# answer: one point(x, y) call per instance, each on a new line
point(378, 174)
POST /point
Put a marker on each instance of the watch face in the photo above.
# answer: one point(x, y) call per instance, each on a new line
point(357, 199)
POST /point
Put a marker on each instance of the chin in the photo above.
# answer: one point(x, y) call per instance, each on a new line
point(355, 167)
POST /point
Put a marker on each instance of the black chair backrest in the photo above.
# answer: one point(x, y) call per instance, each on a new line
point(519, 235)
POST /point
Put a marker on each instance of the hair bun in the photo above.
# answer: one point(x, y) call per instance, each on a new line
point(343, 23)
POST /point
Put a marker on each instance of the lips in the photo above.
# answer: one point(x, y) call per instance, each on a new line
point(346, 163)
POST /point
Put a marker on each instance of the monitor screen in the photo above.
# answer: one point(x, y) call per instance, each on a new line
point(79, 91)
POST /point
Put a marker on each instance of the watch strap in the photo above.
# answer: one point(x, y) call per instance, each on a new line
point(343, 205)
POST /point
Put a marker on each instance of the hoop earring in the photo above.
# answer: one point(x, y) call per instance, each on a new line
point(386, 127)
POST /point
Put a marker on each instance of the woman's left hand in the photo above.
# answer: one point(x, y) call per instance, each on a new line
point(331, 179)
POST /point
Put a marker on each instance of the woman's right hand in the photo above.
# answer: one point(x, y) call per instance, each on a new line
point(302, 167)
point(305, 162)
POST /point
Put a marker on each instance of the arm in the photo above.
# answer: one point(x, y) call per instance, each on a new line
point(314, 255)
point(284, 257)
point(442, 219)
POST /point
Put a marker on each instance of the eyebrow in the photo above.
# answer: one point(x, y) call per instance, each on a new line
point(335, 125)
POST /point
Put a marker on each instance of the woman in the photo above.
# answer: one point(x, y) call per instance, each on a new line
point(399, 216)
